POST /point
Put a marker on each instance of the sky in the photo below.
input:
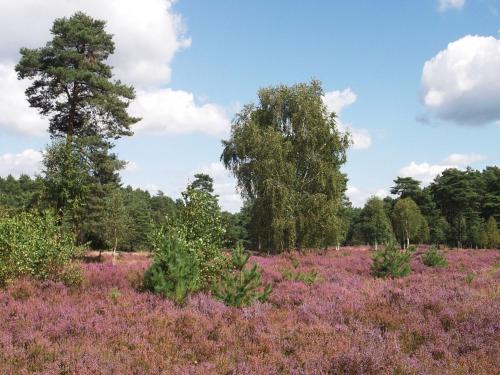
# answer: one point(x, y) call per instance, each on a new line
point(417, 83)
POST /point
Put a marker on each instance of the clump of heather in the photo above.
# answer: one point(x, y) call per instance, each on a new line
point(348, 322)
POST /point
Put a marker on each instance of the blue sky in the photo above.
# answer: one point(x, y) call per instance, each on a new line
point(408, 117)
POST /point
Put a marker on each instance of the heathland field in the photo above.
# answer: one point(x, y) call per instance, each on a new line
point(326, 315)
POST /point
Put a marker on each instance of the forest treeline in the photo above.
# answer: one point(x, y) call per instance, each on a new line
point(459, 208)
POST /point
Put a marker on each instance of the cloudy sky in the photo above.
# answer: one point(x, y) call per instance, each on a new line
point(417, 83)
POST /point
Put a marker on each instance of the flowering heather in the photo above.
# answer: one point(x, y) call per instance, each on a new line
point(347, 322)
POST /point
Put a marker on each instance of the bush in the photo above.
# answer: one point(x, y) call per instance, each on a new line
point(391, 262)
point(33, 245)
point(239, 286)
point(174, 272)
point(434, 258)
point(307, 277)
point(200, 226)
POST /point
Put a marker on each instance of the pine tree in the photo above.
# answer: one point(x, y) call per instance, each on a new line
point(241, 286)
point(493, 237)
point(72, 83)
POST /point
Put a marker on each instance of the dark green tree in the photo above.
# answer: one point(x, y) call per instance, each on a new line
point(375, 225)
point(407, 220)
point(492, 235)
point(286, 153)
point(203, 182)
point(406, 187)
point(458, 194)
point(72, 84)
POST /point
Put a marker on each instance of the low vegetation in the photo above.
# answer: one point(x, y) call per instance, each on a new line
point(347, 323)
point(33, 245)
point(391, 261)
point(434, 258)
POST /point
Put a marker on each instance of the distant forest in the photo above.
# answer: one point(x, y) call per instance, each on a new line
point(458, 209)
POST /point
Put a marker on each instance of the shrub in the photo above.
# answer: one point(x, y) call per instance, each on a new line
point(391, 262)
point(174, 272)
point(307, 277)
point(239, 286)
point(33, 245)
point(200, 226)
point(434, 258)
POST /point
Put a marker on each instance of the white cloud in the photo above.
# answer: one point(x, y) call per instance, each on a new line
point(426, 172)
point(131, 166)
point(361, 137)
point(359, 197)
point(463, 159)
point(147, 35)
point(444, 5)
point(336, 101)
point(167, 111)
point(15, 113)
point(461, 84)
point(27, 162)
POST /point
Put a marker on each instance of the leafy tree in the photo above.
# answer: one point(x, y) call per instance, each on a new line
point(138, 207)
point(162, 207)
point(67, 182)
point(203, 182)
point(406, 187)
point(199, 223)
point(117, 222)
point(240, 286)
point(492, 235)
point(286, 153)
point(375, 225)
point(34, 245)
point(490, 202)
point(72, 84)
point(22, 193)
point(407, 220)
point(457, 194)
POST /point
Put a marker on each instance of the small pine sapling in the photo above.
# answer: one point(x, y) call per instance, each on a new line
point(174, 272)
point(434, 258)
point(391, 262)
point(240, 286)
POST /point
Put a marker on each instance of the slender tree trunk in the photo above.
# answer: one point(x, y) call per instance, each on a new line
point(115, 246)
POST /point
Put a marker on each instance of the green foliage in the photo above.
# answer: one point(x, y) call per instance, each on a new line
point(72, 84)
point(374, 224)
point(492, 234)
point(20, 194)
point(469, 277)
point(203, 182)
point(286, 153)
point(241, 286)
point(34, 245)
point(434, 258)
point(174, 272)
point(391, 262)
point(200, 225)
point(407, 220)
point(116, 221)
point(307, 277)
